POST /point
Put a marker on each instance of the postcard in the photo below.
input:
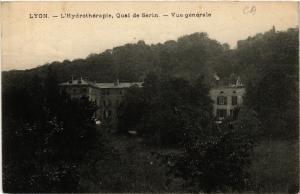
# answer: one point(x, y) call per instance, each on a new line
point(153, 96)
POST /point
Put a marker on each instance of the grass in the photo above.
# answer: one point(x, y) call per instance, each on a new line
point(275, 166)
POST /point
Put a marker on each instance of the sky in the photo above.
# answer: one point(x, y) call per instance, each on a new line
point(30, 42)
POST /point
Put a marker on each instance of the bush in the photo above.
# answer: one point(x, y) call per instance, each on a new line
point(217, 159)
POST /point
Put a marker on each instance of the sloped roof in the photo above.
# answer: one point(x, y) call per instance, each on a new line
point(120, 85)
point(76, 82)
point(101, 85)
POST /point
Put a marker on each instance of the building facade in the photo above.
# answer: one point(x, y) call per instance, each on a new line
point(107, 96)
point(227, 100)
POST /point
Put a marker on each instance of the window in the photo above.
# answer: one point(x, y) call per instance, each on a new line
point(221, 100)
point(74, 90)
point(234, 113)
point(105, 114)
point(104, 103)
point(231, 112)
point(109, 103)
point(83, 90)
point(234, 100)
point(221, 113)
point(105, 92)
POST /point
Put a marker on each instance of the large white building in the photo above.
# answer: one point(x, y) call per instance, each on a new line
point(227, 100)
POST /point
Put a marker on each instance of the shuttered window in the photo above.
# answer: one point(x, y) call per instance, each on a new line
point(221, 100)
point(221, 113)
point(234, 100)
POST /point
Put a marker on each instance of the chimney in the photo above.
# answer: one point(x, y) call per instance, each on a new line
point(79, 81)
point(239, 82)
point(71, 81)
point(116, 83)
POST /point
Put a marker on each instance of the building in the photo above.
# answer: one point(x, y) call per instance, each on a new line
point(79, 88)
point(227, 100)
point(107, 96)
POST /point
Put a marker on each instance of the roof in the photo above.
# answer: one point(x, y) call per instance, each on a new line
point(227, 91)
point(82, 82)
point(227, 87)
point(76, 82)
point(119, 85)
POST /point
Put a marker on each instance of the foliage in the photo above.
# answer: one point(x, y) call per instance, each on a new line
point(39, 129)
point(189, 56)
point(275, 167)
point(161, 109)
point(271, 61)
point(130, 168)
point(217, 159)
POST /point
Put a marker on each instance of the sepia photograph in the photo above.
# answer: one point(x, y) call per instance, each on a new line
point(150, 97)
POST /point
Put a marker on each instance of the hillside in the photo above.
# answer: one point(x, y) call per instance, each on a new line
point(189, 56)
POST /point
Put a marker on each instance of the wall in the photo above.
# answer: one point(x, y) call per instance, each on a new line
point(227, 92)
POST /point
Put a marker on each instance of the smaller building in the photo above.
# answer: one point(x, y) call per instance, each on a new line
point(227, 100)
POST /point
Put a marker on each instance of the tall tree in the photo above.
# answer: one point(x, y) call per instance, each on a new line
point(217, 157)
point(163, 107)
point(272, 80)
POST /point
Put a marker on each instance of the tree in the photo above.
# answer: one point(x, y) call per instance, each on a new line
point(161, 109)
point(217, 159)
point(51, 142)
point(272, 83)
